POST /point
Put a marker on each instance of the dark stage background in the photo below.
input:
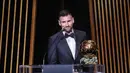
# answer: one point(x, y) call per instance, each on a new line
point(47, 22)
point(110, 28)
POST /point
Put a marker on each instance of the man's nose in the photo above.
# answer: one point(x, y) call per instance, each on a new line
point(67, 24)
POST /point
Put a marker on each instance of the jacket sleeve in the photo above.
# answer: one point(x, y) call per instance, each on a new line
point(52, 57)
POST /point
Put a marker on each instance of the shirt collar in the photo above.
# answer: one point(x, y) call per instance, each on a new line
point(69, 33)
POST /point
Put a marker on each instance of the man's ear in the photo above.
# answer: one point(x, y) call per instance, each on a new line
point(59, 22)
point(73, 19)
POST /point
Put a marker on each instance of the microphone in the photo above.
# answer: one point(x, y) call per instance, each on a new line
point(63, 29)
point(43, 62)
point(44, 58)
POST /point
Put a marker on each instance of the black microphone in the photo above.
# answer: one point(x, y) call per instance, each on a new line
point(63, 29)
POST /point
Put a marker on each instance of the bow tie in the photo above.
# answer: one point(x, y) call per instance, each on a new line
point(69, 35)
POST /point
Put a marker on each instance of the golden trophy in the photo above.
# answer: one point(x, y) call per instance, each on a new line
point(89, 52)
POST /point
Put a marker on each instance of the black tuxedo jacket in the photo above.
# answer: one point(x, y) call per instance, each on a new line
point(59, 51)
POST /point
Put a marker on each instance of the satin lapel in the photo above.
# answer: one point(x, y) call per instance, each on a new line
point(77, 39)
point(64, 45)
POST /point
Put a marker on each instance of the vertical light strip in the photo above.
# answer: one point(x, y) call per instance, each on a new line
point(127, 29)
point(1, 33)
point(100, 25)
point(7, 32)
point(128, 3)
point(116, 38)
point(104, 37)
point(92, 19)
point(125, 48)
point(32, 38)
point(119, 35)
point(97, 32)
point(112, 35)
point(123, 39)
point(25, 32)
point(13, 32)
point(108, 33)
point(19, 34)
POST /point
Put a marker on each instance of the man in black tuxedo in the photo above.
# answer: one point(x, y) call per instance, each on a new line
point(63, 47)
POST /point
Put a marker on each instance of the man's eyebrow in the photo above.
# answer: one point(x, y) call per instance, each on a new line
point(63, 21)
point(69, 20)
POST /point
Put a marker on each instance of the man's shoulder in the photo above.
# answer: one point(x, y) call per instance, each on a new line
point(79, 31)
point(55, 35)
point(83, 33)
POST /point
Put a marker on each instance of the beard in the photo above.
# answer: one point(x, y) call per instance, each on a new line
point(68, 29)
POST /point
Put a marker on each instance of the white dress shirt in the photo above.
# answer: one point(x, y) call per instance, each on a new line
point(71, 43)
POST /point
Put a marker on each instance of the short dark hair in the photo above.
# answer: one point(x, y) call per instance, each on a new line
point(64, 12)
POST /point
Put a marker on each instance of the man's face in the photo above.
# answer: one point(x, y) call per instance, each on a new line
point(66, 22)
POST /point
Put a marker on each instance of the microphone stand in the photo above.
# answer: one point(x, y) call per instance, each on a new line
point(43, 62)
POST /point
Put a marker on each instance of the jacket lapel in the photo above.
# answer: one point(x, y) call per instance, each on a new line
point(77, 39)
point(65, 46)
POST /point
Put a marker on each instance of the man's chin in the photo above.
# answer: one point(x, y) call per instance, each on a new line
point(68, 30)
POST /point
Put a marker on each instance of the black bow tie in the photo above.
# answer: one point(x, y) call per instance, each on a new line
point(69, 35)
